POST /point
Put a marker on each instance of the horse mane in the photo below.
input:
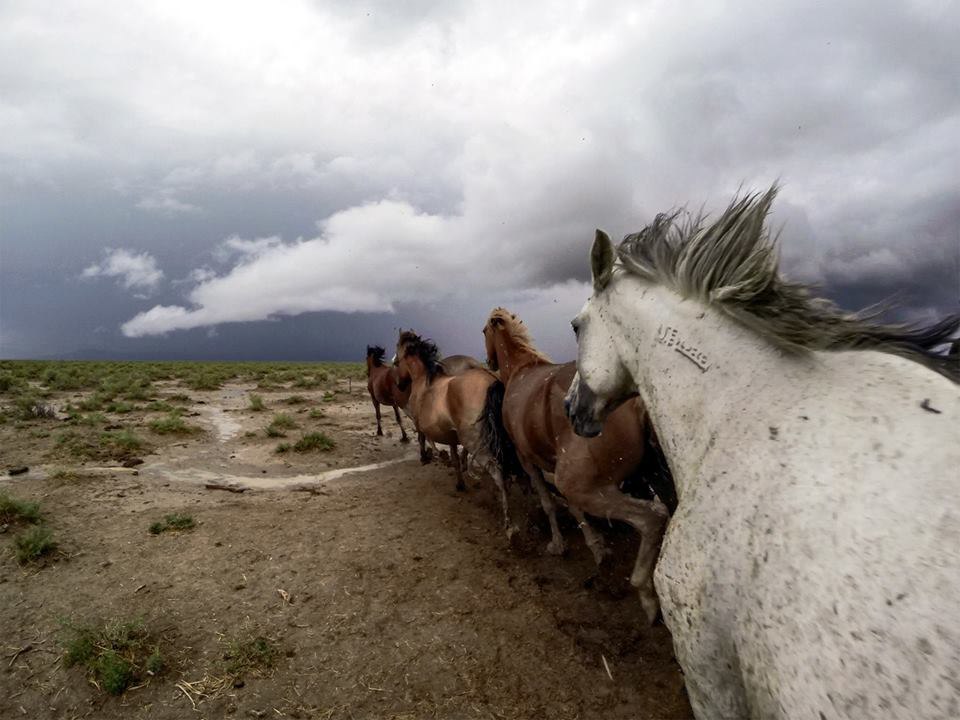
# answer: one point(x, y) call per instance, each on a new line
point(426, 350)
point(377, 353)
point(517, 330)
point(733, 263)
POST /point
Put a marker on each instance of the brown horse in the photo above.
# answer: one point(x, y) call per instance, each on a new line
point(383, 386)
point(452, 365)
point(589, 473)
point(456, 409)
point(456, 364)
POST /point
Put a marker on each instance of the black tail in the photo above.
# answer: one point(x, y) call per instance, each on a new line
point(494, 435)
point(653, 475)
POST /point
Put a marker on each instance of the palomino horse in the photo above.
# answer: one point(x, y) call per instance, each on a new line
point(812, 568)
point(587, 472)
point(459, 409)
point(382, 385)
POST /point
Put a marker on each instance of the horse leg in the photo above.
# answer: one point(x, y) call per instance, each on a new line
point(556, 546)
point(376, 406)
point(597, 547)
point(600, 498)
point(463, 457)
point(403, 433)
point(455, 459)
point(425, 456)
point(487, 463)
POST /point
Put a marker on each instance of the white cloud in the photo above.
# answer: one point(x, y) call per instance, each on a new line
point(165, 202)
point(135, 270)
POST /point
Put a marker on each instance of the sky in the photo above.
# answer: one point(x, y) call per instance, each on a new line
point(296, 180)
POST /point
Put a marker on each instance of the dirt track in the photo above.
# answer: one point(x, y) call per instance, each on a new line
point(406, 600)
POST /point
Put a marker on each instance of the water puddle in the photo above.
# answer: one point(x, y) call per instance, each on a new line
point(225, 426)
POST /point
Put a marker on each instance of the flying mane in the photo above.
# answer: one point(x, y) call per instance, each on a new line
point(377, 353)
point(426, 350)
point(733, 264)
point(518, 332)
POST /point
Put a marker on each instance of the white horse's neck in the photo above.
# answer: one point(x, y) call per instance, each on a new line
point(695, 368)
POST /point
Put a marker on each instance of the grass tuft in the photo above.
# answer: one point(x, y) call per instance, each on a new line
point(256, 403)
point(34, 544)
point(114, 655)
point(14, 510)
point(175, 521)
point(249, 655)
point(280, 422)
point(172, 424)
point(314, 441)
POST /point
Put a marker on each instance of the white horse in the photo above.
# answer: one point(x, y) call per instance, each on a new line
point(812, 569)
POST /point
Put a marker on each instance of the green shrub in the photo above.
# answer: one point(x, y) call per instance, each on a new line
point(174, 521)
point(13, 510)
point(172, 424)
point(314, 441)
point(256, 403)
point(34, 544)
point(114, 655)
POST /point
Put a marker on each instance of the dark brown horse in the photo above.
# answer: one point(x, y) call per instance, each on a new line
point(382, 382)
point(589, 473)
point(459, 409)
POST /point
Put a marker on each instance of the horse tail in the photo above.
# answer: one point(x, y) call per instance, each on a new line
point(494, 436)
point(652, 475)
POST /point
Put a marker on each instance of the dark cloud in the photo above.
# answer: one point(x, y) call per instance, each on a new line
point(435, 159)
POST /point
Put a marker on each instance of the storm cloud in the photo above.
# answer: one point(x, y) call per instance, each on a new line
point(169, 168)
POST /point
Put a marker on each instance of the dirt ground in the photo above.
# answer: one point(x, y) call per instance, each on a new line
point(400, 597)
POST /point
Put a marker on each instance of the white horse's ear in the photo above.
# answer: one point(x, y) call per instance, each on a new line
point(601, 260)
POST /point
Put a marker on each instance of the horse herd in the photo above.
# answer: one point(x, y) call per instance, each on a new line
point(793, 471)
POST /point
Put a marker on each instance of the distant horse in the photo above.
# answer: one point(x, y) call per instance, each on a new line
point(812, 568)
point(383, 388)
point(587, 472)
point(456, 409)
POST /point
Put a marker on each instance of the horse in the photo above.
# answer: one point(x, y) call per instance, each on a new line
point(587, 472)
point(459, 409)
point(812, 568)
point(452, 365)
point(456, 364)
point(383, 388)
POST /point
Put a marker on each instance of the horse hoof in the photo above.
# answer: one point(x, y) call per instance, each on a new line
point(461, 487)
point(555, 547)
point(651, 606)
point(404, 439)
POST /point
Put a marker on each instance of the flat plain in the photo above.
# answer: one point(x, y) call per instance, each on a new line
point(233, 539)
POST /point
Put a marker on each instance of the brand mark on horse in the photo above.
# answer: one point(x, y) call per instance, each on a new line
point(670, 337)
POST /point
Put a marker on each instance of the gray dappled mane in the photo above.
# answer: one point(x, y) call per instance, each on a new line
point(732, 263)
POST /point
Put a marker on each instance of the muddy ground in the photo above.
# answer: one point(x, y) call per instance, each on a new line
point(400, 596)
